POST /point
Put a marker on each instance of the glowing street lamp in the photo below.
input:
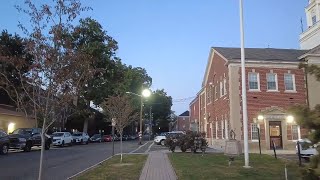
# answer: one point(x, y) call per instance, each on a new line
point(144, 94)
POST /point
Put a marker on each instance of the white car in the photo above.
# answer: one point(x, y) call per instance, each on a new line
point(80, 137)
point(163, 136)
point(61, 139)
point(306, 148)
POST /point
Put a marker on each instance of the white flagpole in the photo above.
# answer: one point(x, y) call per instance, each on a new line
point(244, 91)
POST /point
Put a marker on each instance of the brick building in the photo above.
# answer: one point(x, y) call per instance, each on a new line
point(274, 83)
point(183, 122)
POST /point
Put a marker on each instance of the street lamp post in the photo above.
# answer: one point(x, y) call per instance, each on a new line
point(145, 93)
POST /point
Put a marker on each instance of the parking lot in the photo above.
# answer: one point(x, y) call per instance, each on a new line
point(59, 162)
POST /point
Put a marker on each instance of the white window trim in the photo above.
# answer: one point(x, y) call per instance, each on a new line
point(222, 127)
point(276, 79)
point(226, 128)
point(224, 86)
point(258, 126)
point(258, 79)
point(221, 87)
point(217, 129)
point(299, 134)
point(215, 93)
point(293, 83)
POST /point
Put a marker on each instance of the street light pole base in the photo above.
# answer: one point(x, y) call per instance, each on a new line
point(247, 167)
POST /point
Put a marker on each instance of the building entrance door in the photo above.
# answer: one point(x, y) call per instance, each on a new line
point(275, 134)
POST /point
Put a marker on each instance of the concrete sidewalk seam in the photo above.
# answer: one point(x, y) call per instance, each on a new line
point(139, 147)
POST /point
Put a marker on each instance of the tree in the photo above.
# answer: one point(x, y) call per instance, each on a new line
point(161, 109)
point(304, 115)
point(89, 37)
point(50, 82)
point(120, 109)
point(13, 46)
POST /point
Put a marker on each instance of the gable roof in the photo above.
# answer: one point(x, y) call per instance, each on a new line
point(261, 54)
point(186, 113)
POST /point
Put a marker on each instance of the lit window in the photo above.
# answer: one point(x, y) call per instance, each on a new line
point(295, 132)
point(289, 82)
point(254, 81)
point(272, 81)
point(254, 132)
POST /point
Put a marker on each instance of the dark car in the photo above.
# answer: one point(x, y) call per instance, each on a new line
point(26, 138)
point(4, 142)
point(96, 138)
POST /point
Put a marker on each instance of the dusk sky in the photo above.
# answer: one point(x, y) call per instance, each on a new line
point(171, 39)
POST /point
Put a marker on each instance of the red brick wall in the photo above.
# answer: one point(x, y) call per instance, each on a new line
point(258, 101)
point(183, 123)
point(194, 110)
point(219, 106)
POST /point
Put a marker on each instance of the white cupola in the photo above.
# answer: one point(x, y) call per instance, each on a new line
point(310, 38)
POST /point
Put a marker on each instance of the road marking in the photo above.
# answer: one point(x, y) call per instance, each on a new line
point(149, 147)
point(138, 148)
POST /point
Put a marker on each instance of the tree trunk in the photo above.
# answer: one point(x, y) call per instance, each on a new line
point(120, 147)
point(85, 125)
point(43, 142)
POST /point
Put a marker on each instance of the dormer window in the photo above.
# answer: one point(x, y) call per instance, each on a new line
point(314, 20)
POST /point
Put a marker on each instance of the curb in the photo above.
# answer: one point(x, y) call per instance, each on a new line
point(91, 167)
point(99, 163)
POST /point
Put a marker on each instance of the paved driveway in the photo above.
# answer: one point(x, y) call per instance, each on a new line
point(59, 163)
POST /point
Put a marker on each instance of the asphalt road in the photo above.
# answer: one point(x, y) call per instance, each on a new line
point(59, 163)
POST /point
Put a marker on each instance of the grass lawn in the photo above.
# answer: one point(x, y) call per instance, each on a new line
point(215, 166)
point(129, 170)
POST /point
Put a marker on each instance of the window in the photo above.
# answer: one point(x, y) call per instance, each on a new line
point(222, 129)
point(226, 128)
point(221, 90)
point(254, 81)
point(254, 131)
point(314, 20)
point(295, 132)
point(289, 82)
point(208, 96)
point(217, 129)
point(272, 82)
point(224, 86)
point(215, 93)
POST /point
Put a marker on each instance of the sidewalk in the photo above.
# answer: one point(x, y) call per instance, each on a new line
point(158, 167)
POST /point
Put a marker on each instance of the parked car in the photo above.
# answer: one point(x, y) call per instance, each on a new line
point(26, 138)
point(107, 138)
point(61, 139)
point(307, 149)
point(133, 137)
point(125, 137)
point(80, 137)
point(96, 138)
point(4, 142)
point(160, 139)
point(116, 138)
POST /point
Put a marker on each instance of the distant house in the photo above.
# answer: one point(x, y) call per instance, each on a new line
point(183, 122)
point(10, 117)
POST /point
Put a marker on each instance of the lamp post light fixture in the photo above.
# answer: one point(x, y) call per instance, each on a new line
point(260, 117)
point(290, 119)
point(144, 94)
